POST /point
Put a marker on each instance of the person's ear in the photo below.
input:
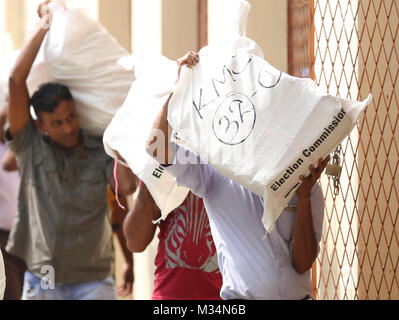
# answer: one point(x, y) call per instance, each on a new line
point(40, 125)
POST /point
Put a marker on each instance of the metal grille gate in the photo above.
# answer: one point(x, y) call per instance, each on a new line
point(353, 49)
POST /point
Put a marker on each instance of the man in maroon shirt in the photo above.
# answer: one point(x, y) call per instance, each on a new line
point(186, 263)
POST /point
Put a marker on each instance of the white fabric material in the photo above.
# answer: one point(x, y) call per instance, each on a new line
point(82, 55)
point(2, 277)
point(252, 266)
point(37, 75)
point(231, 23)
point(128, 132)
point(9, 188)
point(255, 124)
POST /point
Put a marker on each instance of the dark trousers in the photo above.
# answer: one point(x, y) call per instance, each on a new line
point(14, 268)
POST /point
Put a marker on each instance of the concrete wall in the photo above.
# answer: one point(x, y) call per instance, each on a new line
point(268, 25)
point(15, 22)
point(179, 27)
point(116, 17)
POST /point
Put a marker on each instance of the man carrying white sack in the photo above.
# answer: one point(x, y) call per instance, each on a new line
point(62, 229)
point(253, 266)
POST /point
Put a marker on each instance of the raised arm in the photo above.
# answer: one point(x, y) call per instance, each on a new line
point(158, 143)
point(304, 244)
point(18, 113)
point(138, 226)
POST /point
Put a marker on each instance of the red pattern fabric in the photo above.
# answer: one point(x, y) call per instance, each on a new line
point(186, 263)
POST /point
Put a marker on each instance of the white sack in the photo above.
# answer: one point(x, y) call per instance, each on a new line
point(255, 124)
point(228, 21)
point(82, 55)
point(128, 132)
point(37, 76)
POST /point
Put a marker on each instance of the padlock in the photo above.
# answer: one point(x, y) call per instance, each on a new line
point(333, 170)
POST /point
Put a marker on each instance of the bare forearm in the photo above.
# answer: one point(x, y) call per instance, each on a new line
point(138, 226)
point(158, 143)
point(304, 246)
point(138, 230)
point(18, 107)
point(123, 243)
point(117, 218)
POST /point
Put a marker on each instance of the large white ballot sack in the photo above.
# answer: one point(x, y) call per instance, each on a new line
point(82, 55)
point(255, 124)
point(37, 76)
point(128, 132)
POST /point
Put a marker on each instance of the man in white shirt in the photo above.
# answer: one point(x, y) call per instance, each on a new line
point(253, 266)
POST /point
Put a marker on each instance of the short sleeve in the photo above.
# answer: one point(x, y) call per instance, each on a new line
point(191, 172)
point(22, 141)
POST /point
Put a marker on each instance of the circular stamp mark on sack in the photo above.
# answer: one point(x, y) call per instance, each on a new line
point(234, 119)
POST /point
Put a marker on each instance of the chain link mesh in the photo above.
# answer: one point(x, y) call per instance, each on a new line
point(354, 50)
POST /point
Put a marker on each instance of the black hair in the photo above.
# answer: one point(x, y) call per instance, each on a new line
point(48, 97)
